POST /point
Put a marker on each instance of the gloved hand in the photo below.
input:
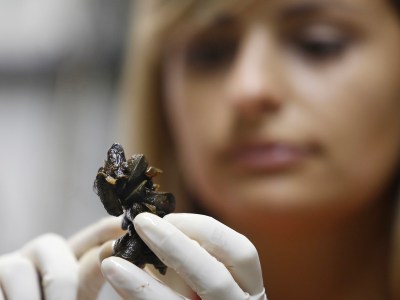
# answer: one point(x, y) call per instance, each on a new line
point(215, 261)
point(86, 246)
point(45, 266)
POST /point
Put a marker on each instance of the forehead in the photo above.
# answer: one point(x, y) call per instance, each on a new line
point(203, 12)
point(196, 16)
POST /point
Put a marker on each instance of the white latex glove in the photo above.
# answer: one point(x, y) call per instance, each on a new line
point(86, 245)
point(215, 261)
point(45, 266)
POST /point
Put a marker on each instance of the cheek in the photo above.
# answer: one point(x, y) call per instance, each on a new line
point(199, 124)
point(356, 108)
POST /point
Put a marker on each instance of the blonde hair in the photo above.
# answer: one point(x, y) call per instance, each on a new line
point(144, 128)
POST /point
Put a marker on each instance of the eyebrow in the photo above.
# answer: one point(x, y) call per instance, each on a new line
point(313, 7)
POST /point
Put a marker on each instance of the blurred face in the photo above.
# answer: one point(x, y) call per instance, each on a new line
point(288, 107)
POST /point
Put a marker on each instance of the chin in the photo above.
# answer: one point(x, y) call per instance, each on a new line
point(280, 202)
point(276, 195)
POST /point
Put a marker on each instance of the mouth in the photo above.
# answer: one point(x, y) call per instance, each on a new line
point(269, 157)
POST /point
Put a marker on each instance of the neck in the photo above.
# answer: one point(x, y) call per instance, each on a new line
point(348, 260)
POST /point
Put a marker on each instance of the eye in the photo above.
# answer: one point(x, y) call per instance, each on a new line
point(322, 49)
point(211, 53)
point(321, 43)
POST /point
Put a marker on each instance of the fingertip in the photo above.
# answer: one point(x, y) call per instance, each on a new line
point(146, 225)
point(112, 268)
point(123, 276)
point(131, 282)
point(116, 266)
point(106, 265)
point(109, 264)
point(179, 218)
point(145, 219)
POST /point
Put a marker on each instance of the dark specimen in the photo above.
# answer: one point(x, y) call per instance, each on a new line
point(126, 187)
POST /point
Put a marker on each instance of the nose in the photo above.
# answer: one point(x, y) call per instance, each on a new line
point(254, 83)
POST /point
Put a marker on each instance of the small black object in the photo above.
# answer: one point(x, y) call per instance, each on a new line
point(126, 187)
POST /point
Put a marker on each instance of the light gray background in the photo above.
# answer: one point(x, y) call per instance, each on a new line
point(59, 70)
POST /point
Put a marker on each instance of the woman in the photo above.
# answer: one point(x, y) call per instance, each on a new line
point(281, 119)
point(284, 120)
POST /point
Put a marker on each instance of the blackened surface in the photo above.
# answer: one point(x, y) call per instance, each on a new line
point(124, 187)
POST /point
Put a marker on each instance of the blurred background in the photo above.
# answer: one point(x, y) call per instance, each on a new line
point(59, 70)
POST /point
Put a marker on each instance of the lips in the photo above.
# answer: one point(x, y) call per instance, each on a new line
point(268, 156)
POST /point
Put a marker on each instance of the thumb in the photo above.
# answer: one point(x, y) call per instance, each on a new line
point(133, 283)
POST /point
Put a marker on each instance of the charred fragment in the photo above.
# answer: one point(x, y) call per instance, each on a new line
point(126, 187)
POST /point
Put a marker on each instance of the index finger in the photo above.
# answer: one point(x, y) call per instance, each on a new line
point(207, 276)
point(233, 249)
point(95, 235)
